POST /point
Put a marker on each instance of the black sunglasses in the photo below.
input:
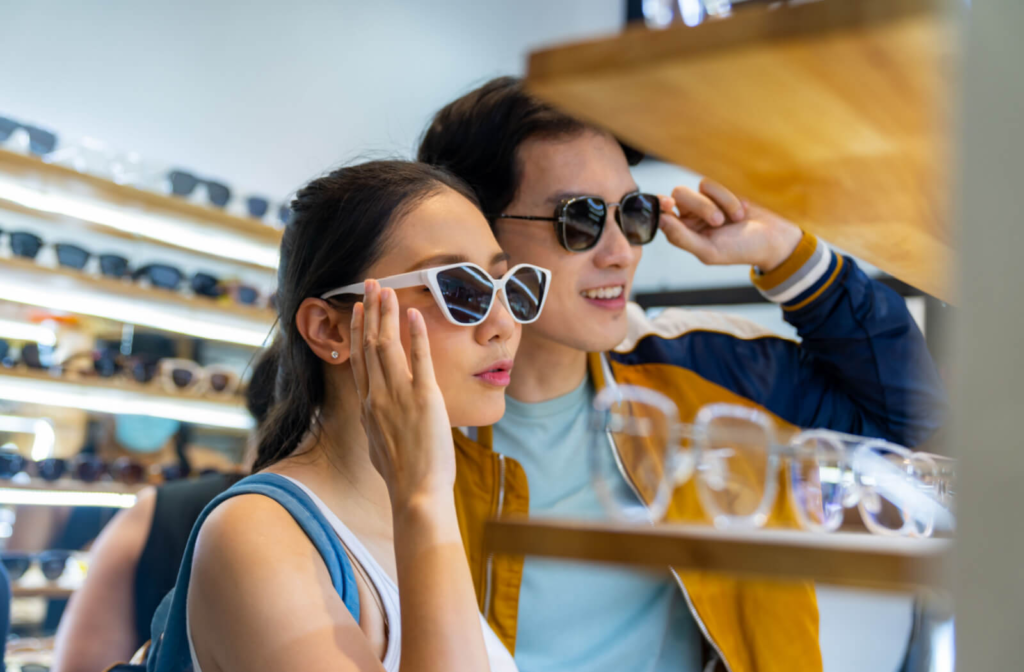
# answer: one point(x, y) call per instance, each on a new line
point(40, 141)
point(579, 221)
point(51, 562)
point(184, 183)
point(160, 275)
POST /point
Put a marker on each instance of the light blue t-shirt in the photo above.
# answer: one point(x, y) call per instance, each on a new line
point(581, 616)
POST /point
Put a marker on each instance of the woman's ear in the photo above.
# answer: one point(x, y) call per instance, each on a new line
point(326, 329)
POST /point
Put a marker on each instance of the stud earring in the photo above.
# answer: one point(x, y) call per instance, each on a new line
point(334, 354)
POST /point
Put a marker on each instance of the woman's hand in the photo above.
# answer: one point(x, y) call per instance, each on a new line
point(718, 228)
point(402, 410)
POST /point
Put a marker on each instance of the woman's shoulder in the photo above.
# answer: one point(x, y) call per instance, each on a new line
point(246, 523)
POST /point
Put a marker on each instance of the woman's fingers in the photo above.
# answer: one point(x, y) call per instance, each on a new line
point(724, 199)
point(371, 335)
point(419, 351)
point(356, 351)
point(389, 342)
point(691, 203)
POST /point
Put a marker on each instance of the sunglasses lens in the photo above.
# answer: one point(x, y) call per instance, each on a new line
point(53, 564)
point(71, 256)
point(583, 221)
point(40, 142)
point(639, 215)
point(7, 127)
point(113, 266)
point(25, 244)
point(205, 284)
point(143, 371)
point(257, 206)
point(106, 364)
point(467, 292)
point(247, 295)
point(525, 293)
point(16, 565)
point(11, 464)
point(182, 183)
point(181, 377)
point(52, 468)
point(219, 193)
point(127, 472)
point(88, 468)
point(219, 382)
point(166, 277)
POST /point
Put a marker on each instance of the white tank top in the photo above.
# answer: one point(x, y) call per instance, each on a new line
point(499, 657)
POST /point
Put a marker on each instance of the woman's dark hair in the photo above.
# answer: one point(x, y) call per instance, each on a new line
point(477, 137)
point(259, 395)
point(340, 227)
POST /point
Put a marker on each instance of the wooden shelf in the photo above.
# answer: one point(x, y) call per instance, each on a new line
point(24, 281)
point(51, 592)
point(861, 560)
point(832, 113)
point(71, 485)
point(29, 184)
point(121, 396)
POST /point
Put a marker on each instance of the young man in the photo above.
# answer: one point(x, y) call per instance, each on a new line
point(861, 367)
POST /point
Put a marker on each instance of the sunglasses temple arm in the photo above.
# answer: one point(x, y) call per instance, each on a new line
point(412, 279)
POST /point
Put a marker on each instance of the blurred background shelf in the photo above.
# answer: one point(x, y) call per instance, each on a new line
point(832, 113)
point(26, 282)
point(849, 559)
point(50, 592)
point(28, 183)
point(121, 397)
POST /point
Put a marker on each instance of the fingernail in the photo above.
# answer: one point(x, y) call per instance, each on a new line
point(718, 218)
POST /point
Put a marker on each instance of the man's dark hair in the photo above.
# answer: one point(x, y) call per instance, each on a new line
point(477, 137)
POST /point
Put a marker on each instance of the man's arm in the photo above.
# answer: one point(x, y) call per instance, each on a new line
point(862, 366)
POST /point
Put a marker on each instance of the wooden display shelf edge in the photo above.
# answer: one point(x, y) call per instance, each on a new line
point(71, 485)
point(121, 385)
point(124, 288)
point(860, 560)
point(127, 196)
point(639, 46)
point(52, 592)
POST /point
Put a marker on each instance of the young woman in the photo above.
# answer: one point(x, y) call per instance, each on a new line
point(365, 403)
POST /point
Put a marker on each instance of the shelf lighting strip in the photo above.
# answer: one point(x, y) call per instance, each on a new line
point(167, 230)
point(183, 320)
point(126, 402)
point(18, 497)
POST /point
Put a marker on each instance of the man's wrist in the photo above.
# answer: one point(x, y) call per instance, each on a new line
point(787, 240)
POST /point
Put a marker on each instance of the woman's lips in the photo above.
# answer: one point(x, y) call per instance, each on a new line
point(498, 374)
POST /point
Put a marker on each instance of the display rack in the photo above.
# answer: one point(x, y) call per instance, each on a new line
point(30, 184)
point(121, 396)
point(26, 282)
point(832, 113)
point(49, 592)
point(849, 559)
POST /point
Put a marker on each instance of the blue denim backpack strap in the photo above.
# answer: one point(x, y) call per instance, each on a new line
point(169, 650)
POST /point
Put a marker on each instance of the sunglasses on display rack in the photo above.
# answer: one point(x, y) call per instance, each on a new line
point(184, 375)
point(32, 355)
point(86, 468)
point(257, 206)
point(41, 142)
point(184, 183)
point(51, 563)
point(734, 455)
point(465, 292)
point(27, 245)
point(580, 220)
